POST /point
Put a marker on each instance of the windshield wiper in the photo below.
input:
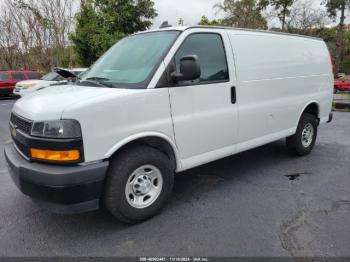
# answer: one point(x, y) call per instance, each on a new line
point(96, 78)
point(100, 81)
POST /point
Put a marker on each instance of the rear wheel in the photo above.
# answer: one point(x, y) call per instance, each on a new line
point(303, 141)
point(335, 90)
point(139, 182)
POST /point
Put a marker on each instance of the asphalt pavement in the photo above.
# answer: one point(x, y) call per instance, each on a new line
point(262, 202)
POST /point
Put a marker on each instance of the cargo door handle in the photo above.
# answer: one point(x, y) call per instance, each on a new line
point(233, 95)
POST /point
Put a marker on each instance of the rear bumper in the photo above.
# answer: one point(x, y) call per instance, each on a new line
point(61, 189)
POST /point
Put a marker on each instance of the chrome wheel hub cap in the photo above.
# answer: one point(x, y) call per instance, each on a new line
point(144, 186)
point(307, 135)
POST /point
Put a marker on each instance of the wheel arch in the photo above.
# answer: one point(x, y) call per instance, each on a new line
point(153, 139)
point(313, 108)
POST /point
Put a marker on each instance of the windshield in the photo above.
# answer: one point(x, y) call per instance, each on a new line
point(52, 76)
point(132, 60)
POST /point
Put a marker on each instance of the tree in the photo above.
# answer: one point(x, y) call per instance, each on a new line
point(8, 41)
point(101, 23)
point(335, 7)
point(304, 18)
point(205, 21)
point(282, 7)
point(34, 33)
point(244, 13)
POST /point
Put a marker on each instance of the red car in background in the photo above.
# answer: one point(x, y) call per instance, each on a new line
point(9, 78)
point(342, 84)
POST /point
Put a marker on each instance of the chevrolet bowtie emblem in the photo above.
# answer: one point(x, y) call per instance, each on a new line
point(14, 131)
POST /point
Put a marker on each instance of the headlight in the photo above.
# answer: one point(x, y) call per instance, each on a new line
point(57, 129)
point(26, 86)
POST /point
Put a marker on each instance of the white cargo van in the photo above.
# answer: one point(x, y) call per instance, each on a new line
point(160, 102)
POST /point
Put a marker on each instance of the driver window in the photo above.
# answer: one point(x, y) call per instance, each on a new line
point(211, 53)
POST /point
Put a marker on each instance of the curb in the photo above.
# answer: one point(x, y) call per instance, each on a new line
point(342, 105)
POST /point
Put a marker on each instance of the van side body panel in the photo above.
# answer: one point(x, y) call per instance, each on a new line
point(278, 76)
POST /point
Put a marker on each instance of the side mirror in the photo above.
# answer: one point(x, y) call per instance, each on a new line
point(189, 69)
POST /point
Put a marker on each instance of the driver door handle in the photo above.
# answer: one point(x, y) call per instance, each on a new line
point(233, 95)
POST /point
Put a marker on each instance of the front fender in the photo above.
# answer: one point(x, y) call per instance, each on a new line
point(138, 136)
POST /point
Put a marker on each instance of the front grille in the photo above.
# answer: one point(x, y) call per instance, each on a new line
point(21, 124)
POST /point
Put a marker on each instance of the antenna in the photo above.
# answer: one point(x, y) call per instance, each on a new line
point(181, 21)
point(165, 24)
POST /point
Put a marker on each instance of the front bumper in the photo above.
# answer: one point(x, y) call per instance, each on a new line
point(6, 90)
point(61, 189)
point(17, 92)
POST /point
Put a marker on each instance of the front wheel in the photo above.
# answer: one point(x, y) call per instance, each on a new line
point(303, 141)
point(139, 181)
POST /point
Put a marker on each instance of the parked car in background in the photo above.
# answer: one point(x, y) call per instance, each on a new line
point(9, 78)
point(342, 84)
point(53, 78)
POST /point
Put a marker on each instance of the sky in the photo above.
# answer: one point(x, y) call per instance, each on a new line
point(192, 11)
point(189, 10)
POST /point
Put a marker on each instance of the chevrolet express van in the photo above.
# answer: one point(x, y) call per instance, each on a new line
point(161, 102)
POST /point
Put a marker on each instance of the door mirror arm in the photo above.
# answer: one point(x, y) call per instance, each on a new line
point(177, 77)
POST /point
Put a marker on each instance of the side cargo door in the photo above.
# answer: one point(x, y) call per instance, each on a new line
point(204, 111)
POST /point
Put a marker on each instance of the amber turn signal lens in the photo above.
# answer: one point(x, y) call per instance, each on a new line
point(70, 155)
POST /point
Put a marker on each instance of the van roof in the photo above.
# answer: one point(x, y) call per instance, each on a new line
point(184, 28)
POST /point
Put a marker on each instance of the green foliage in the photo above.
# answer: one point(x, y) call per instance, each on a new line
point(205, 21)
point(244, 13)
point(101, 23)
point(333, 6)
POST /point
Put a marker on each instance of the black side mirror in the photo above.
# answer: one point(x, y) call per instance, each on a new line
point(189, 69)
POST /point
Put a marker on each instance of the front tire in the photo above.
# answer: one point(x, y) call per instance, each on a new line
point(303, 141)
point(139, 182)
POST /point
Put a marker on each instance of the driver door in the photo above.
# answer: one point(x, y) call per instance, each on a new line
point(204, 111)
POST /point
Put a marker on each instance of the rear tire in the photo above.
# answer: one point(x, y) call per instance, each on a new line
point(303, 141)
point(138, 184)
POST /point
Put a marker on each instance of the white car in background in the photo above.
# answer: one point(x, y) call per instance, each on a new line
point(53, 78)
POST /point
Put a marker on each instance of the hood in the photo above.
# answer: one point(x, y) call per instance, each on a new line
point(33, 82)
point(49, 103)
